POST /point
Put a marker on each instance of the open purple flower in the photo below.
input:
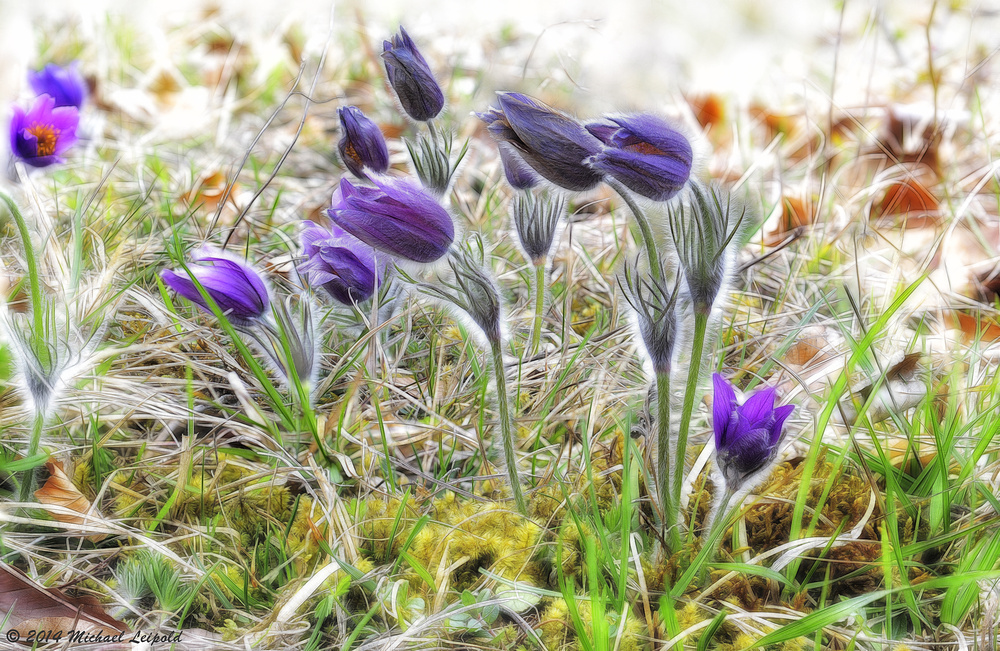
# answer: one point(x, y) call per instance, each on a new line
point(65, 85)
point(747, 435)
point(411, 78)
point(396, 216)
point(347, 268)
point(643, 152)
point(40, 135)
point(362, 143)
point(236, 288)
point(553, 144)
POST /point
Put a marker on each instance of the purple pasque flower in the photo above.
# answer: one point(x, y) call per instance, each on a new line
point(396, 216)
point(41, 134)
point(362, 143)
point(645, 153)
point(553, 144)
point(519, 175)
point(747, 435)
point(411, 78)
point(347, 268)
point(65, 85)
point(238, 289)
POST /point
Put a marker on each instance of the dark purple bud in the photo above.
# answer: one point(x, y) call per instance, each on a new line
point(747, 435)
point(236, 288)
point(553, 144)
point(518, 174)
point(362, 143)
point(411, 78)
point(645, 153)
point(40, 135)
point(65, 85)
point(396, 216)
point(347, 268)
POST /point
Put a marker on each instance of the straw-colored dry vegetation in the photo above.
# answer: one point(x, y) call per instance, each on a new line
point(181, 489)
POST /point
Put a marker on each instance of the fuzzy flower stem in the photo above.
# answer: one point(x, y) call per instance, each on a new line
point(694, 371)
point(536, 331)
point(640, 218)
point(37, 312)
point(667, 503)
point(27, 482)
point(506, 429)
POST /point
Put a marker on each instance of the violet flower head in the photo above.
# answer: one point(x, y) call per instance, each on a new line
point(747, 435)
point(65, 85)
point(236, 288)
point(644, 153)
point(411, 78)
point(396, 216)
point(347, 268)
point(362, 143)
point(42, 134)
point(553, 144)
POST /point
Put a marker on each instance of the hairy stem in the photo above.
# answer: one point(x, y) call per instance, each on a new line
point(694, 372)
point(506, 428)
point(536, 331)
point(667, 505)
point(27, 481)
point(640, 219)
point(719, 522)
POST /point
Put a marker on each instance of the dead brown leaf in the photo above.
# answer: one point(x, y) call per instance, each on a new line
point(29, 606)
point(58, 490)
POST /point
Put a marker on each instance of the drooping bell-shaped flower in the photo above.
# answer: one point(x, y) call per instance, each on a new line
point(362, 143)
point(411, 78)
point(396, 216)
point(347, 268)
point(553, 144)
point(747, 435)
point(40, 135)
point(238, 289)
point(643, 152)
point(66, 86)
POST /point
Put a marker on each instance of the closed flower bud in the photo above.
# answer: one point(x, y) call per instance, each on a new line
point(473, 289)
point(66, 86)
point(347, 268)
point(237, 289)
point(553, 144)
point(706, 232)
point(536, 218)
point(40, 135)
point(411, 78)
point(362, 143)
point(655, 303)
point(396, 216)
point(747, 435)
point(643, 152)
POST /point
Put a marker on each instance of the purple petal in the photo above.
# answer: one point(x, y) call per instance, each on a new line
point(723, 405)
point(759, 408)
point(780, 415)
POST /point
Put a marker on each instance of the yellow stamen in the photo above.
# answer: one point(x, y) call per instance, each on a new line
point(46, 135)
